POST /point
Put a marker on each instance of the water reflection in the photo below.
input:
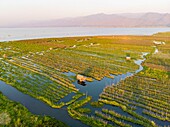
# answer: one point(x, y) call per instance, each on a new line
point(81, 83)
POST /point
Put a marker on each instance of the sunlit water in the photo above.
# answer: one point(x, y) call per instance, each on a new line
point(9, 34)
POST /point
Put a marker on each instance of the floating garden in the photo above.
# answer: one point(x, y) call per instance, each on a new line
point(13, 114)
point(37, 68)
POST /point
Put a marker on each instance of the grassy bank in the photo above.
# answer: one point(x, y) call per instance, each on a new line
point(13, 114)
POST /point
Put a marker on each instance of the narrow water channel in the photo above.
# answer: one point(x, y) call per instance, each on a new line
point(93, 89)
point(96, 87)
point(38, 107)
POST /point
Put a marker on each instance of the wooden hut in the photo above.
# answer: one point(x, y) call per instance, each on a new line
point(81, 78)
point(128, 56)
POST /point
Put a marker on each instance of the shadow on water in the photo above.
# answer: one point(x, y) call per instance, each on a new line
point(81, 83)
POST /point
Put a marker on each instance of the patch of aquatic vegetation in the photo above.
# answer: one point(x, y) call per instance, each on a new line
point(162, 34)
point(147, 90)
point(143, 99)
point(46, 87)
point(4, 118)
point(13, 114)
point(36, 67)
point(94, 57)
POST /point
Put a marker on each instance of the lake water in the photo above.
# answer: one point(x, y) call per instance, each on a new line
point(8, 34)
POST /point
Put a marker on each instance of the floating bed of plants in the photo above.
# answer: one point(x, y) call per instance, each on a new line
point(36, 67)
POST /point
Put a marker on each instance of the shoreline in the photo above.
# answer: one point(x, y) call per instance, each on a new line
point(17, 34)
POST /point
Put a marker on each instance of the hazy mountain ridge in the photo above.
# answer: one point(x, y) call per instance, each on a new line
point(109, 20)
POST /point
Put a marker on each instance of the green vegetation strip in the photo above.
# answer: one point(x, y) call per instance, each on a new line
point(13, 114)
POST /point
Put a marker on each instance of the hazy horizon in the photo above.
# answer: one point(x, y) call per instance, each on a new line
point(21, 11)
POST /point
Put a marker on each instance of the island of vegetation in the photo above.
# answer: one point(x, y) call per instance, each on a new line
point(38, 68)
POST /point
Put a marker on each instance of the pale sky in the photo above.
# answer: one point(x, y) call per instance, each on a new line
point(12, 11)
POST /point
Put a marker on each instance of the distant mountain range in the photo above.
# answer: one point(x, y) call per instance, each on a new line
point(108, 20)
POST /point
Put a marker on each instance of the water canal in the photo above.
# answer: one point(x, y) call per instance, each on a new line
point(93, 89)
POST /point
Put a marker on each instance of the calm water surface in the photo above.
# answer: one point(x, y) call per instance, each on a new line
point(9, 34)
